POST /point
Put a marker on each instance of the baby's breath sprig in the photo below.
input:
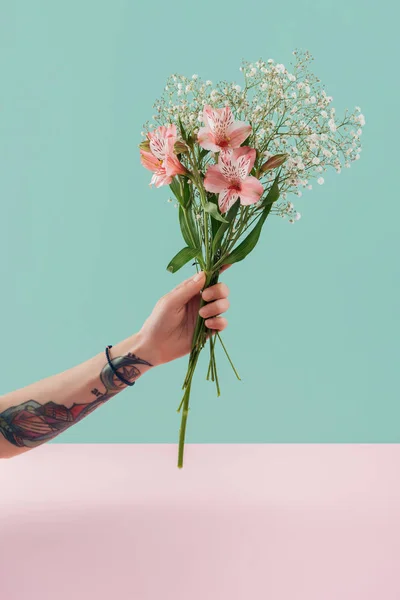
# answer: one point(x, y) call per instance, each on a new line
point(289, 110)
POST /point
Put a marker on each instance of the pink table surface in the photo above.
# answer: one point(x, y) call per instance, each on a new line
point(239, 522)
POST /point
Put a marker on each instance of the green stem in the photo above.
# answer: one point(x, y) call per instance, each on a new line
point(198, 341)
point(216, 372)
point(229, 358)
point(200, 258)
point(182, 431)
point(185, 412)
point(211, 366)
point(209, 370)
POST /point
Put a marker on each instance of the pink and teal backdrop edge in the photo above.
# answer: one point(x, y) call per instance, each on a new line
point(84, 242)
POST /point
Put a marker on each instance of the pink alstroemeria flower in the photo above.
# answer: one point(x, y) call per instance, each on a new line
point(231, 180)
point(161, 159)
point(221, 131)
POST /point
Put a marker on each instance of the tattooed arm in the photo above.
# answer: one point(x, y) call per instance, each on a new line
point(39, 412)
point(35, 414)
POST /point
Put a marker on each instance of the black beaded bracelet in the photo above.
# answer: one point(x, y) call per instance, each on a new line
point(120, 377)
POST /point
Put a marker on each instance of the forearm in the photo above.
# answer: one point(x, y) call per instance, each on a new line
point(39, 412)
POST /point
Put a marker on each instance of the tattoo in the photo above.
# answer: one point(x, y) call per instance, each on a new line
point(30, 424)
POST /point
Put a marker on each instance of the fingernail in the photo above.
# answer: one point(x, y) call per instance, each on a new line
point(198, 276)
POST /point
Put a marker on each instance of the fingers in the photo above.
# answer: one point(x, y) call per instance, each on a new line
point(217, 298)
point(214, 308)
point(215, 292)
point(224, 268)
point(183, 292)
point(216, 323)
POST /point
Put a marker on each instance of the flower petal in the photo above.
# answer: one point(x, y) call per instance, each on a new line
point(173, 166)
point(162, 140)
point(209, 117)
point(227, 165)
point(226, 199)
point(214, 180)
point(237, 133)
point(149, 161)
point(171, 132)
point(251, 191)
point(249, 153)
point(157, 145)
point(218, 120)
point(206, 139)
point(160, 178)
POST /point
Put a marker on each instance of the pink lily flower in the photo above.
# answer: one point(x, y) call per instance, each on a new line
point(221, 131)
point(231, 180)
point(161, 159)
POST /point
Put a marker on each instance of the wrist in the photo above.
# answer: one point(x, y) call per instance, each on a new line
point(135, 344)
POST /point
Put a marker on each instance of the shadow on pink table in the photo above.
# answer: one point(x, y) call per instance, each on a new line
point(239, 522)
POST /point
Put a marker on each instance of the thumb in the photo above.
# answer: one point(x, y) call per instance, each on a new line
point(187, 289)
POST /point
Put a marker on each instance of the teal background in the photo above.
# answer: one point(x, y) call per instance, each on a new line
point(314, 318)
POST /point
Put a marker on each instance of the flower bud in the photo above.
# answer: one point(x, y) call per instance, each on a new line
point(273, 162)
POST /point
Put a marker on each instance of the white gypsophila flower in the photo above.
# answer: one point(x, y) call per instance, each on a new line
point(332, 125)
point(289, 110)
point(361, 119)
point(320, 180)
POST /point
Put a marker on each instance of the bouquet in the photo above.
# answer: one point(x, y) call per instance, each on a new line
point(234, 155)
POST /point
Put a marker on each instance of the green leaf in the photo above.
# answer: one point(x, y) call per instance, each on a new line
point(230, 216)
point(212, 209)
point(272, 195)
point(203, 153)
point(176, 189)
point(214, 222)
point(181, 258)
point(188, 228)
point(182, 130)
point(186, 194)
point(250, 241)
point(247, 141)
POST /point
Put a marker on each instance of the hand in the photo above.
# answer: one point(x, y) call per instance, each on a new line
point(167, 333)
